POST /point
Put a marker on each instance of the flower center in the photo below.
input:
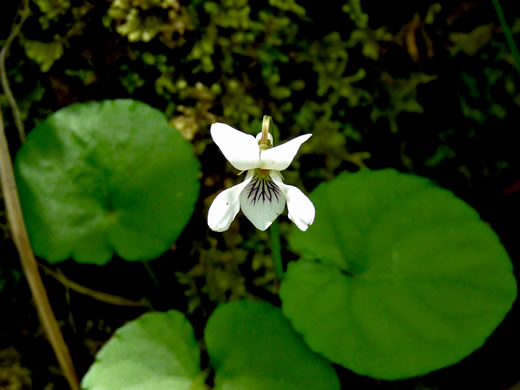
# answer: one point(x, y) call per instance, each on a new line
point(262, 188)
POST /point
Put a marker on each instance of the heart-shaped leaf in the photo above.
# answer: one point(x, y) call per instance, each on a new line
point(401, 276)
point(252, 346)
point(157, 351)
point(104, 177)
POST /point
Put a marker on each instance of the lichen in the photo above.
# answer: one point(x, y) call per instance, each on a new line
point(13, 376)
point(470, 43)
point(356, 14)
point(402, 97)
point(51, 10)
point(143, 20)
point(216, 276)
point(288, 5)
point(358, 86)
point(43, 53)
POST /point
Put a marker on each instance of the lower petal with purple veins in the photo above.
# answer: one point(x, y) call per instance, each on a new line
point(262, 201)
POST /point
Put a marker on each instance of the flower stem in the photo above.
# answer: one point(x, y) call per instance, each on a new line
point(274, 231)
point(151, 273)
point(276, 249)
point(507, 32)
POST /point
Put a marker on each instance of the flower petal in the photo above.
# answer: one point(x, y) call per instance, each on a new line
point(280, 157)
point(226, 205)
point(262, 202)
point(301, 210)
point(240, 149)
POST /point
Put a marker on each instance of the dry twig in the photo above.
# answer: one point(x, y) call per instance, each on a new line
point(3, 74)
point(20, 237)
point(98, 295)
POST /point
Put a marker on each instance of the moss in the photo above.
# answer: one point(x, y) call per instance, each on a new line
point(288, 5)
point(470, 43)
point(356, 14)
point(142, 21)
point(366, 84)
point(51, 10)
point(12, 375)
point(402, 97)
point(43, 53)
point(217, 276)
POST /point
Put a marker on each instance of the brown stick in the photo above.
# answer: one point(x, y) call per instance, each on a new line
point(98, 295)
point(29, 265)
point(21, 239)
point(3, 74)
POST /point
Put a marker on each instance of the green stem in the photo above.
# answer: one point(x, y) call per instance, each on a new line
point(151, 273)
point(507, 32)
point(276, 249)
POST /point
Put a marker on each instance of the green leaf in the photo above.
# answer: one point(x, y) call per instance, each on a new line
point(103, 177)
point(401, 277)
point(252, 346)
point(157, 351)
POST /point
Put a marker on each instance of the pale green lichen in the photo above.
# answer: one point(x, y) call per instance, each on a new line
point(470, 43)
point(232, 14)
point(370, 41)
point(55, 14)
point(130, 80)
point(203, 50)
point(143, 20)
point(13, 376)
point(244, 59)
point(353, 9)
point(43, 53)
point(216, 276)
point(402, 97)
point(51, 10)
point(330, 58)
point(432, 12)
point(288, 5)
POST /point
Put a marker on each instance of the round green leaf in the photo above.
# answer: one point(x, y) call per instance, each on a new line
point(401, 276)
point(103, 177)
point(252, 346)
point(157, 351)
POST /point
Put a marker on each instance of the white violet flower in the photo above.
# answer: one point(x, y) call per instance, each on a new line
point(262, 195)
